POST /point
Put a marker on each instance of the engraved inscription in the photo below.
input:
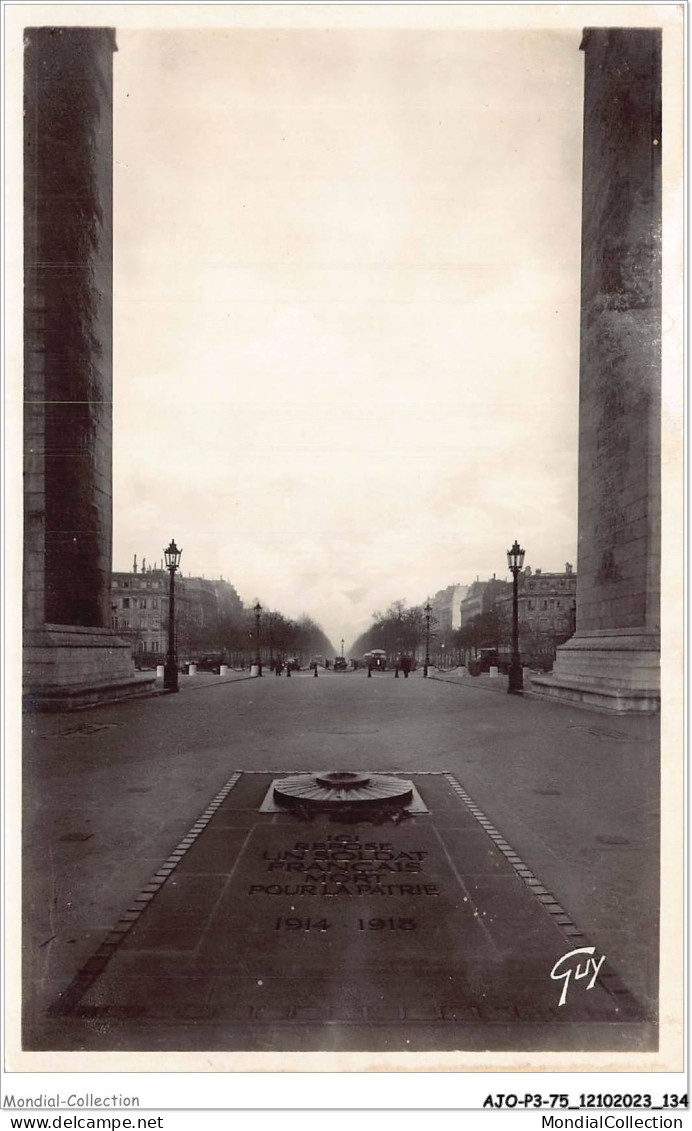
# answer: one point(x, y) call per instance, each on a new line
point(296, 923)
point(344, 865)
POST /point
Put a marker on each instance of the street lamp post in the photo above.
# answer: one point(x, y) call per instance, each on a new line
point(515, 561)
point(342, 647)
point(258, 658)
point(428, 613)
point(170, 671)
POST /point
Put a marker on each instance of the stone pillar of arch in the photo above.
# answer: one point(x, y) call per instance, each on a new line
point(71, 655)
point(613, 660)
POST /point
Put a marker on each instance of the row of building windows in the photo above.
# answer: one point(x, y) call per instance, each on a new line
point(140, 602)
point(549, 584)
point(141, 583)
point(555, 623)
point(142, 622)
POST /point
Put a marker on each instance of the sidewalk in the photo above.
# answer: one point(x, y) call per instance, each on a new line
point(207, 679)
point(460, 675)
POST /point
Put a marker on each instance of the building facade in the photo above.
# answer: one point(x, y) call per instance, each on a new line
point(481, 596)
point(547, 601)
point(446, 606)
point(546, 612)
point(139, 608)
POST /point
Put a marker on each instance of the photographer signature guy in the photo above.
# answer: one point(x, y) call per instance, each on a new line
point(574, 966)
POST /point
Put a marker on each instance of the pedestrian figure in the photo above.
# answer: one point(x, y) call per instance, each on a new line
point(278, 667)
point(288, 671)
point(396, 670)
point(405, 666)
point(315, 671)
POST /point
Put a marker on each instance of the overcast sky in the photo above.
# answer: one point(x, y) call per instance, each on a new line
point(346, 308)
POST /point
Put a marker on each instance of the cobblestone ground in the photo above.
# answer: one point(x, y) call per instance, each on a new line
point(110, 793)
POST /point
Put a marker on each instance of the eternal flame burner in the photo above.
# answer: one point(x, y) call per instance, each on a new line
point(335, 788)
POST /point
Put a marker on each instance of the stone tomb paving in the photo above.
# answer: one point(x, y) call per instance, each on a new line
point(264, 931)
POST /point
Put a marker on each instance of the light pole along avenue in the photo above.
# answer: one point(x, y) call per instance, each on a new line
point(170, 671)
point(258, 657)
point(515, 561)
point(428, 613)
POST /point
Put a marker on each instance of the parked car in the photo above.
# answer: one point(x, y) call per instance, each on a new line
point(340, 664)
point(209, 662)
point(293, 664)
